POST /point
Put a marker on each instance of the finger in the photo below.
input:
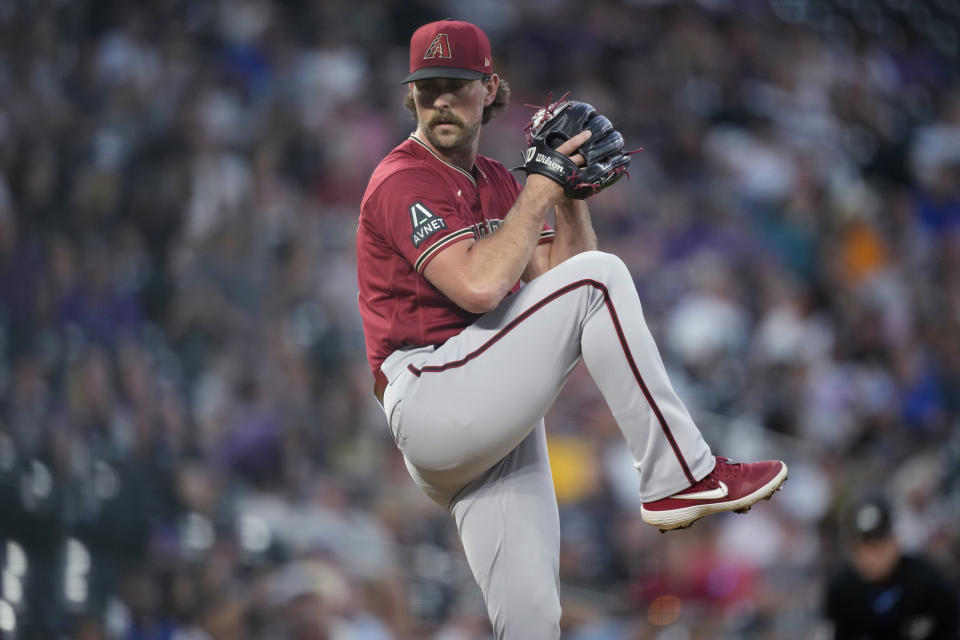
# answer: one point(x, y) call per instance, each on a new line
point(574, 143)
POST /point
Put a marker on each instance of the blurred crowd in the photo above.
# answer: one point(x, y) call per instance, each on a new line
point(189, 445)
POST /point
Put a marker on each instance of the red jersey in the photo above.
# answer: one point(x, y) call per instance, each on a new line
point(415, 206)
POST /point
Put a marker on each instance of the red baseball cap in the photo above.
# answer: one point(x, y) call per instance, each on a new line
point(449, 49)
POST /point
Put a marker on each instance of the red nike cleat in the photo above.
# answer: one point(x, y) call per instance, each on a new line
point(729, 487)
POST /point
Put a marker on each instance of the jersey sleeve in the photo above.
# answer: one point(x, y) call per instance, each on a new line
point(416, 215)
point(546, 234)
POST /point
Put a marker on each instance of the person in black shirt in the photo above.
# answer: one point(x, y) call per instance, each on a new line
point(884, 593)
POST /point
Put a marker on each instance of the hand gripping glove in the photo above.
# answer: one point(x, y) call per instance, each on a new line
point(605, 162)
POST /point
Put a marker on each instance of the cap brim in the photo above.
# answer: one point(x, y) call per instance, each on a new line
point(443, 72)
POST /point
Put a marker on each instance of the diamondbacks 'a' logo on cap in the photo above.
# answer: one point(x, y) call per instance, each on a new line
point(439, 48)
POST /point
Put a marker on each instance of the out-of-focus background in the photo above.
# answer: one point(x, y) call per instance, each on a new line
point(189, 446)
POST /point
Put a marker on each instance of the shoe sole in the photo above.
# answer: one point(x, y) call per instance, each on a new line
point(686, 516)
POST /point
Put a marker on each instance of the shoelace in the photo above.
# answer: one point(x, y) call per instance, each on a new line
point(712, 481)
point(730, 467)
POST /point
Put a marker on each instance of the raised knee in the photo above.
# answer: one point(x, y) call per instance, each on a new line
point(600, 257)
point(601, 266)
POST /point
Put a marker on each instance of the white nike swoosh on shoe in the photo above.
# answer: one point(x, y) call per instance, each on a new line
point(712, 494)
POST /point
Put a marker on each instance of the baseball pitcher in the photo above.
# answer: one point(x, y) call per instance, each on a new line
point(475, 311)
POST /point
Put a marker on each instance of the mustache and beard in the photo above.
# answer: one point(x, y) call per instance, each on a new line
point(462, 135)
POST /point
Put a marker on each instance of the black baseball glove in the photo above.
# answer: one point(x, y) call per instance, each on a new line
point(605, 161)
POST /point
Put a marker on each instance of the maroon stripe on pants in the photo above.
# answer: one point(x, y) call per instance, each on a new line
point(623, 345)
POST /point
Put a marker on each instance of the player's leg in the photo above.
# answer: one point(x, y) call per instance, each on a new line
point(510, 530)
point(655, 422)
point(466, 404)
point(462, 407)
point(453, 425)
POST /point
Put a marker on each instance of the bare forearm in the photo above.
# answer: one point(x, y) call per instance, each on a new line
point(477, 275)
point(504, 254)
point(491, 266)
point(574, 231)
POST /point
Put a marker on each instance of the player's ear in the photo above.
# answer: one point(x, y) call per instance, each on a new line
point(492, 85)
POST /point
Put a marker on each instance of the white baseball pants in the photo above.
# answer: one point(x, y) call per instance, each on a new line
point(468, 418)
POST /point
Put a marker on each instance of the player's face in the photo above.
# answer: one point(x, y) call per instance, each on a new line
point(450, 111)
